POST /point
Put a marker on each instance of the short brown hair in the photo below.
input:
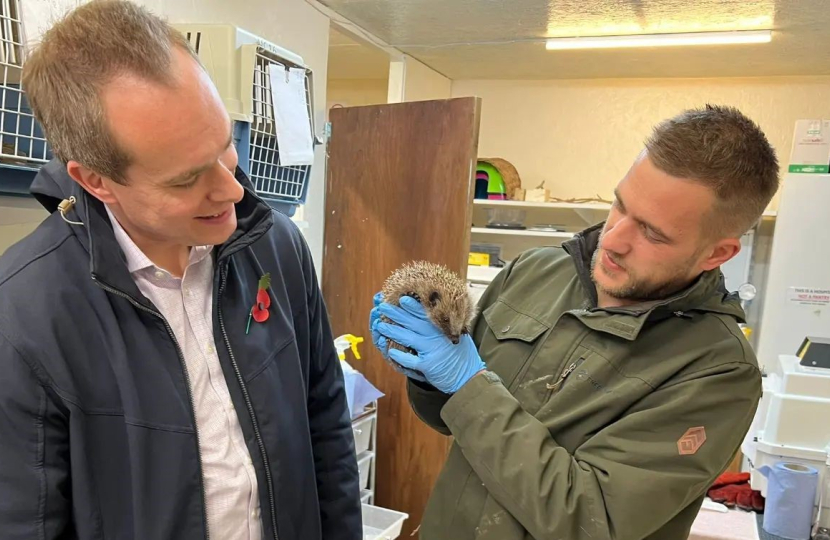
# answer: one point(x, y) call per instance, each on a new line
point(64, 74)
point(726, 151)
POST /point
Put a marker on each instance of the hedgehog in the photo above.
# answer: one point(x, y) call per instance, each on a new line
point(442, 292)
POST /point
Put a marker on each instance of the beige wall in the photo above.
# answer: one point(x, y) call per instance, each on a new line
point(11, 234)
point(18, 217)
point(581, 136)
point(422, 83)
point(293, 24)
point(356, 92)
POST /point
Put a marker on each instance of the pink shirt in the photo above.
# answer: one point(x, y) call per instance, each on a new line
point(229, 478)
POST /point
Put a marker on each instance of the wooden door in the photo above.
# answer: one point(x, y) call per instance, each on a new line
point(399, 188)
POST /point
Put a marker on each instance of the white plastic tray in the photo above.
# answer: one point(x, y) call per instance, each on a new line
point(381, 523)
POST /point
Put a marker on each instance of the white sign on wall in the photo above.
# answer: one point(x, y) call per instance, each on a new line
point(807, 296)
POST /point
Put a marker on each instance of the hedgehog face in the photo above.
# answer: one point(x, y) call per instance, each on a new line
point(452, 314)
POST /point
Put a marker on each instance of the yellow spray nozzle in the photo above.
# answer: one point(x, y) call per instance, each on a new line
point(347, 341)
point(353, 341)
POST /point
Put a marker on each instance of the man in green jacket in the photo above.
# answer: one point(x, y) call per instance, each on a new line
point(606, 383)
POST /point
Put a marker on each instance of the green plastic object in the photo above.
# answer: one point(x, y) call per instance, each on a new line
point(495, 184)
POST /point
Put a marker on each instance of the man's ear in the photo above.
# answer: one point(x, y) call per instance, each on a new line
point(721, 252)
point(92, 182)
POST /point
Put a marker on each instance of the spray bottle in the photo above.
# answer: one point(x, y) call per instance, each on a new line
point(347, 341)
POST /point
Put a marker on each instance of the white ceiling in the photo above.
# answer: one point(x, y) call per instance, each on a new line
point(504, 39)
point(350, 59)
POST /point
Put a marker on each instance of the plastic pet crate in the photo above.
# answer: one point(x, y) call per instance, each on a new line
point(23, 146)
point(238, 63)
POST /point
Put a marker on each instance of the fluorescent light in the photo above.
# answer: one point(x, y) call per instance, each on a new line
point(660, 40)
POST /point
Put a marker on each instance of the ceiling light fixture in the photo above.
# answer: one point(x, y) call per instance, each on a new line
point(660, 40)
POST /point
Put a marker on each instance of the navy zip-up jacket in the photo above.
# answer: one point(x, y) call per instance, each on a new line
point(97, 432)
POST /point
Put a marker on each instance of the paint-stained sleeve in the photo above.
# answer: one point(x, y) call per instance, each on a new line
point(425, 399)
point(627, 480)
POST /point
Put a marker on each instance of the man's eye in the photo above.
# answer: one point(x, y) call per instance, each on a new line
point(652, 237)
point(189, 184)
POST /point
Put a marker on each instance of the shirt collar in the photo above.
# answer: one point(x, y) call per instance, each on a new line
point(136, 259)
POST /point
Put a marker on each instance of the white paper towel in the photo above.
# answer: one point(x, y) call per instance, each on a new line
point(791, 496)
point(291, 118)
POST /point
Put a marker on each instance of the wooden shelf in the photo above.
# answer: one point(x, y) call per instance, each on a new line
point(577, 207)
point(583, 213)
point(482, 274)
point(514, 232)
point(546, 205)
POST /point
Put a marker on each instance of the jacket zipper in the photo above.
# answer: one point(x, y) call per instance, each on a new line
point(567, 371)
point(248, 403)
point(187, 379)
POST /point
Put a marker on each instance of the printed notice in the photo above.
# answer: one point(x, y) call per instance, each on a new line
point(808, 297)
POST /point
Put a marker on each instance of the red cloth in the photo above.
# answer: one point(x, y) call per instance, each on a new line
point(733, 489)
point(730, 478)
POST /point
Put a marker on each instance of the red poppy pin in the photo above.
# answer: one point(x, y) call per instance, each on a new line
point(259, 312)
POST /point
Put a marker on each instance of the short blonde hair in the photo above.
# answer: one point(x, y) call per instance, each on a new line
point(721, 148)
point(64, 74)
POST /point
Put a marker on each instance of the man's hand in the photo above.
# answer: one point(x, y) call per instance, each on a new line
point(383, 346)
point(445, 366)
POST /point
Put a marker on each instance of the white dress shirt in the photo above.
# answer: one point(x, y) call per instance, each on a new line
point(231, 493)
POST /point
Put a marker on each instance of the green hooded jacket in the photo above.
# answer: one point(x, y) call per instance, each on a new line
point(589, 423)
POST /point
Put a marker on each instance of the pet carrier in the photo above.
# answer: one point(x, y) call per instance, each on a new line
point(238, 62)
point(24, 148)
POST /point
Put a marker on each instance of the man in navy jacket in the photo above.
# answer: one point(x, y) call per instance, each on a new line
point(167, 369)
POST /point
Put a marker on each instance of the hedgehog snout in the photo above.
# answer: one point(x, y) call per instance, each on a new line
point(455, 339)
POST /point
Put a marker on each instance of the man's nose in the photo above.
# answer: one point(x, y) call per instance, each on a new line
point(226, 188)
point(618, 237)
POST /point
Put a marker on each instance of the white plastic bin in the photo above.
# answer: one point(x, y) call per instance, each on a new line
point(364, 466)
point(365, 495)
point(362, 430)
point(381, 523)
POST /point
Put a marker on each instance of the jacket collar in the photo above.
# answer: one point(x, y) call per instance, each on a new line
point(706, 294)
point(107, 263)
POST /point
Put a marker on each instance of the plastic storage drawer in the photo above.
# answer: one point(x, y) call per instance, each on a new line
point(381, 523)
point(363, 434)
point(364, 466)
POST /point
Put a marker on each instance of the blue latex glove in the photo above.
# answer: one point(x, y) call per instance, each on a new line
point(445, 366)
point(383, 346)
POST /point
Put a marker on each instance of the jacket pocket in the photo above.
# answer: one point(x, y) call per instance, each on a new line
point(511, 341)
point(286, 346)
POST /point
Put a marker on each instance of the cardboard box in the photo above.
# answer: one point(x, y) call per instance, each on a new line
point(537, 195)
point(811, 147)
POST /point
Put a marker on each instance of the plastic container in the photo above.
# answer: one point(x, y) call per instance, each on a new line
point(493, 251)
point(505, 218)
point(381, 523)
point(365, 496)
point(362, 430)
point(364, 466)
point(791, 425)
point(799, 394)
